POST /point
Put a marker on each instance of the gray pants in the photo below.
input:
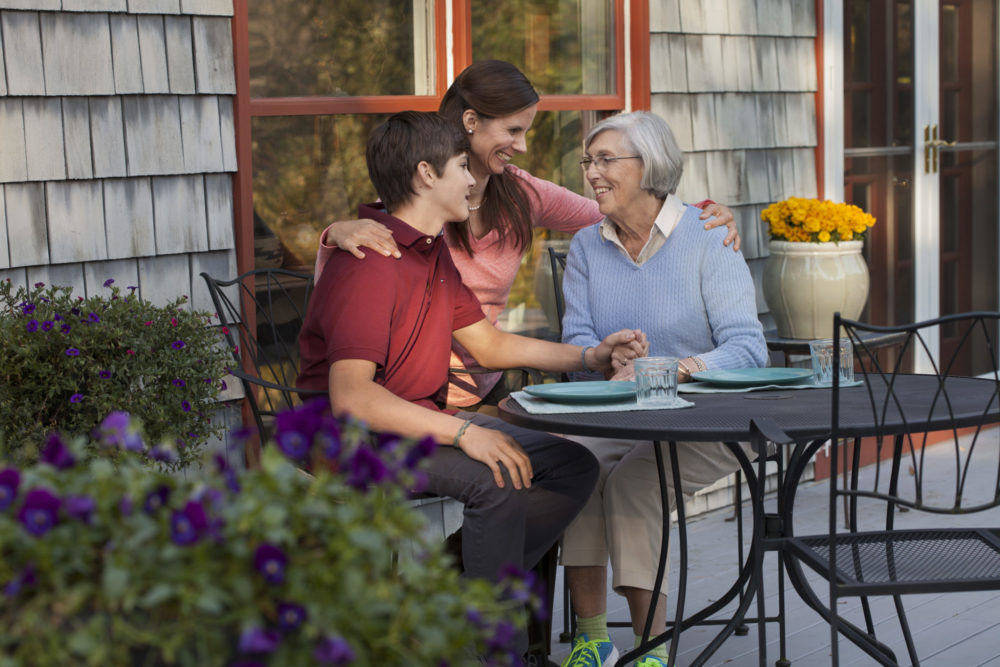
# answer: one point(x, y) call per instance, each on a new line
point(511, 526)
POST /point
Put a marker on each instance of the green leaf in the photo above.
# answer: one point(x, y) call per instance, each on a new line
point(115, 582)
point(158, 593)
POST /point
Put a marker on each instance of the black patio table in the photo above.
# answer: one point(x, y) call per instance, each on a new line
point(804, 416)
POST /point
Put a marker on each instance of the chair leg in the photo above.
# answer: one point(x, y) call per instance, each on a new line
point(905, 626)
point(569, 618)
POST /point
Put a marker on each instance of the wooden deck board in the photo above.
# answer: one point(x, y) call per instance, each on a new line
point(951, 630)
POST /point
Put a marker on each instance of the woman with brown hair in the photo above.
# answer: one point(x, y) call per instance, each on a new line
point(495, 104)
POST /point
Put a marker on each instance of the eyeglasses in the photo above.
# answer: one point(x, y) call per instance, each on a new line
point(603, 161)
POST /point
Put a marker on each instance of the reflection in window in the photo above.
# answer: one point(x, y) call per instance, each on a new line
point(565, 47)
point(308, 171)
point(341, 48)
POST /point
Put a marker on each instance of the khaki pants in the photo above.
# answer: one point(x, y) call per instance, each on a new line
point(622, 518)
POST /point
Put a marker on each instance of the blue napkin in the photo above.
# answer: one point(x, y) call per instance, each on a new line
point(539, 406)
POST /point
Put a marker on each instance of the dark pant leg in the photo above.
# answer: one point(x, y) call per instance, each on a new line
point(511, 526)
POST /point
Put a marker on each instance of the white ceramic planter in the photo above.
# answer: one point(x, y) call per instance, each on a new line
point(806, 283)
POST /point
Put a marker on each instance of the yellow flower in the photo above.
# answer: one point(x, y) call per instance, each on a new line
point(812, 221)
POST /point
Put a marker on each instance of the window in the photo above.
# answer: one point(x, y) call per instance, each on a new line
point(314, 76)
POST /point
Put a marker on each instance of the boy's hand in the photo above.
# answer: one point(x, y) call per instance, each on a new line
point(617, 349)
point(497, 449)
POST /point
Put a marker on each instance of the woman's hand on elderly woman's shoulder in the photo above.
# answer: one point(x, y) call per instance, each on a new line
point(723, 216)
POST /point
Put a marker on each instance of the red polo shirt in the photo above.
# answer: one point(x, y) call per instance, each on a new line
point(397, 313)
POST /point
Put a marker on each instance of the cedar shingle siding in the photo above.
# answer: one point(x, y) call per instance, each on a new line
point(736, 80)
point(117, 144)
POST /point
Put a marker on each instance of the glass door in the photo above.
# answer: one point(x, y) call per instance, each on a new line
point(920, 153)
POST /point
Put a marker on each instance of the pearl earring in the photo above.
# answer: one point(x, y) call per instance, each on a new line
point(469, 131)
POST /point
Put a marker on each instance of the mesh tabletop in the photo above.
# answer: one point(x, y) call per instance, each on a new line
point(803, 414)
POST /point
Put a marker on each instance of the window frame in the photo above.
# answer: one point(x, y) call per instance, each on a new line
point(631, 55)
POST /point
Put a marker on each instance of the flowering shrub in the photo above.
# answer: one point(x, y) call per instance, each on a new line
point(130, 565)
point(68, 361)
point(810, 220)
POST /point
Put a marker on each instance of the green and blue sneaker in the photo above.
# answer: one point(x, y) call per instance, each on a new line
point(650, 661)
point(591, 653)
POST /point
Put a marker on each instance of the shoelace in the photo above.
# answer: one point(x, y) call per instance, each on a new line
point(587, 651)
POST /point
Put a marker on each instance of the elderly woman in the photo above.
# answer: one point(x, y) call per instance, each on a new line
point(651, 264)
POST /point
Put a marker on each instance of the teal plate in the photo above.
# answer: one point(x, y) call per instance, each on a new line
point(596, 391)
point(752, 377)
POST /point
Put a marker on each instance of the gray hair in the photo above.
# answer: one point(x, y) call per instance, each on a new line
point(649, 137)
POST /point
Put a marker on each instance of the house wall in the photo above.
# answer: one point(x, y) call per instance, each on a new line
point(117, 144)
point(737, 80)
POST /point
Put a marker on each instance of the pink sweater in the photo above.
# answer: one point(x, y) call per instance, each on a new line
point(490, 271)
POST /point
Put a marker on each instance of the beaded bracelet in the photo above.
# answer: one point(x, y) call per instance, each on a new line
point(583, 359)
point(699, 363)
point(461, 431)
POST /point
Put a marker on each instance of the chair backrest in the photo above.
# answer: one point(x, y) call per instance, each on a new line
point(261, 313)
point(557, 261)
point(951, 467)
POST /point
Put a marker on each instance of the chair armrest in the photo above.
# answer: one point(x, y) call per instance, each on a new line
point(253, 379)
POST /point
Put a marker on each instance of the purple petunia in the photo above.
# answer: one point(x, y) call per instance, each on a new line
point(177, 382)
point(66, 329)
point(27, 307)
point(125, 505)
point(80, 507)
point(187, 525)
point(270, 561)
point(366, 468)
point(228, 474)
point(40, 511)
point(503, 635)
point(72, 351)
point(109, 282)
point(156, 499)
point(133, 288)
point(162, 454)
point(76, 398)
point(26, 578)
point(31, 326)
point(293, 445)
point(10, 479)
point(93, 317)
point(178, 344)
point(258, 640)
point(47, 325)
point(105, 374)
point(56, 453)
point(116, 431)
point(333, 651)
point(185, 406)
point(418, 452)
point(290, 616)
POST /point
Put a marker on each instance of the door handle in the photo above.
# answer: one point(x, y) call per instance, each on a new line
point(932, 147)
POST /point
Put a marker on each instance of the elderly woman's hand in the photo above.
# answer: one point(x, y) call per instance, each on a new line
point(626, 372)
point(617, 349)
point(723, 216)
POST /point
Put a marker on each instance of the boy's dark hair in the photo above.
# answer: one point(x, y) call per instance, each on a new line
point(398, 145)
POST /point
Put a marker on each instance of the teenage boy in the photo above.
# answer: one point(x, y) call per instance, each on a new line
point(378, 337)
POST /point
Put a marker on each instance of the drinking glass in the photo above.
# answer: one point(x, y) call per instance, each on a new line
point(821, 353)
point(656, 381)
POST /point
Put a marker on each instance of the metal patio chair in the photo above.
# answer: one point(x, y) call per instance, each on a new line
point(883, 550)
point(277, 299)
